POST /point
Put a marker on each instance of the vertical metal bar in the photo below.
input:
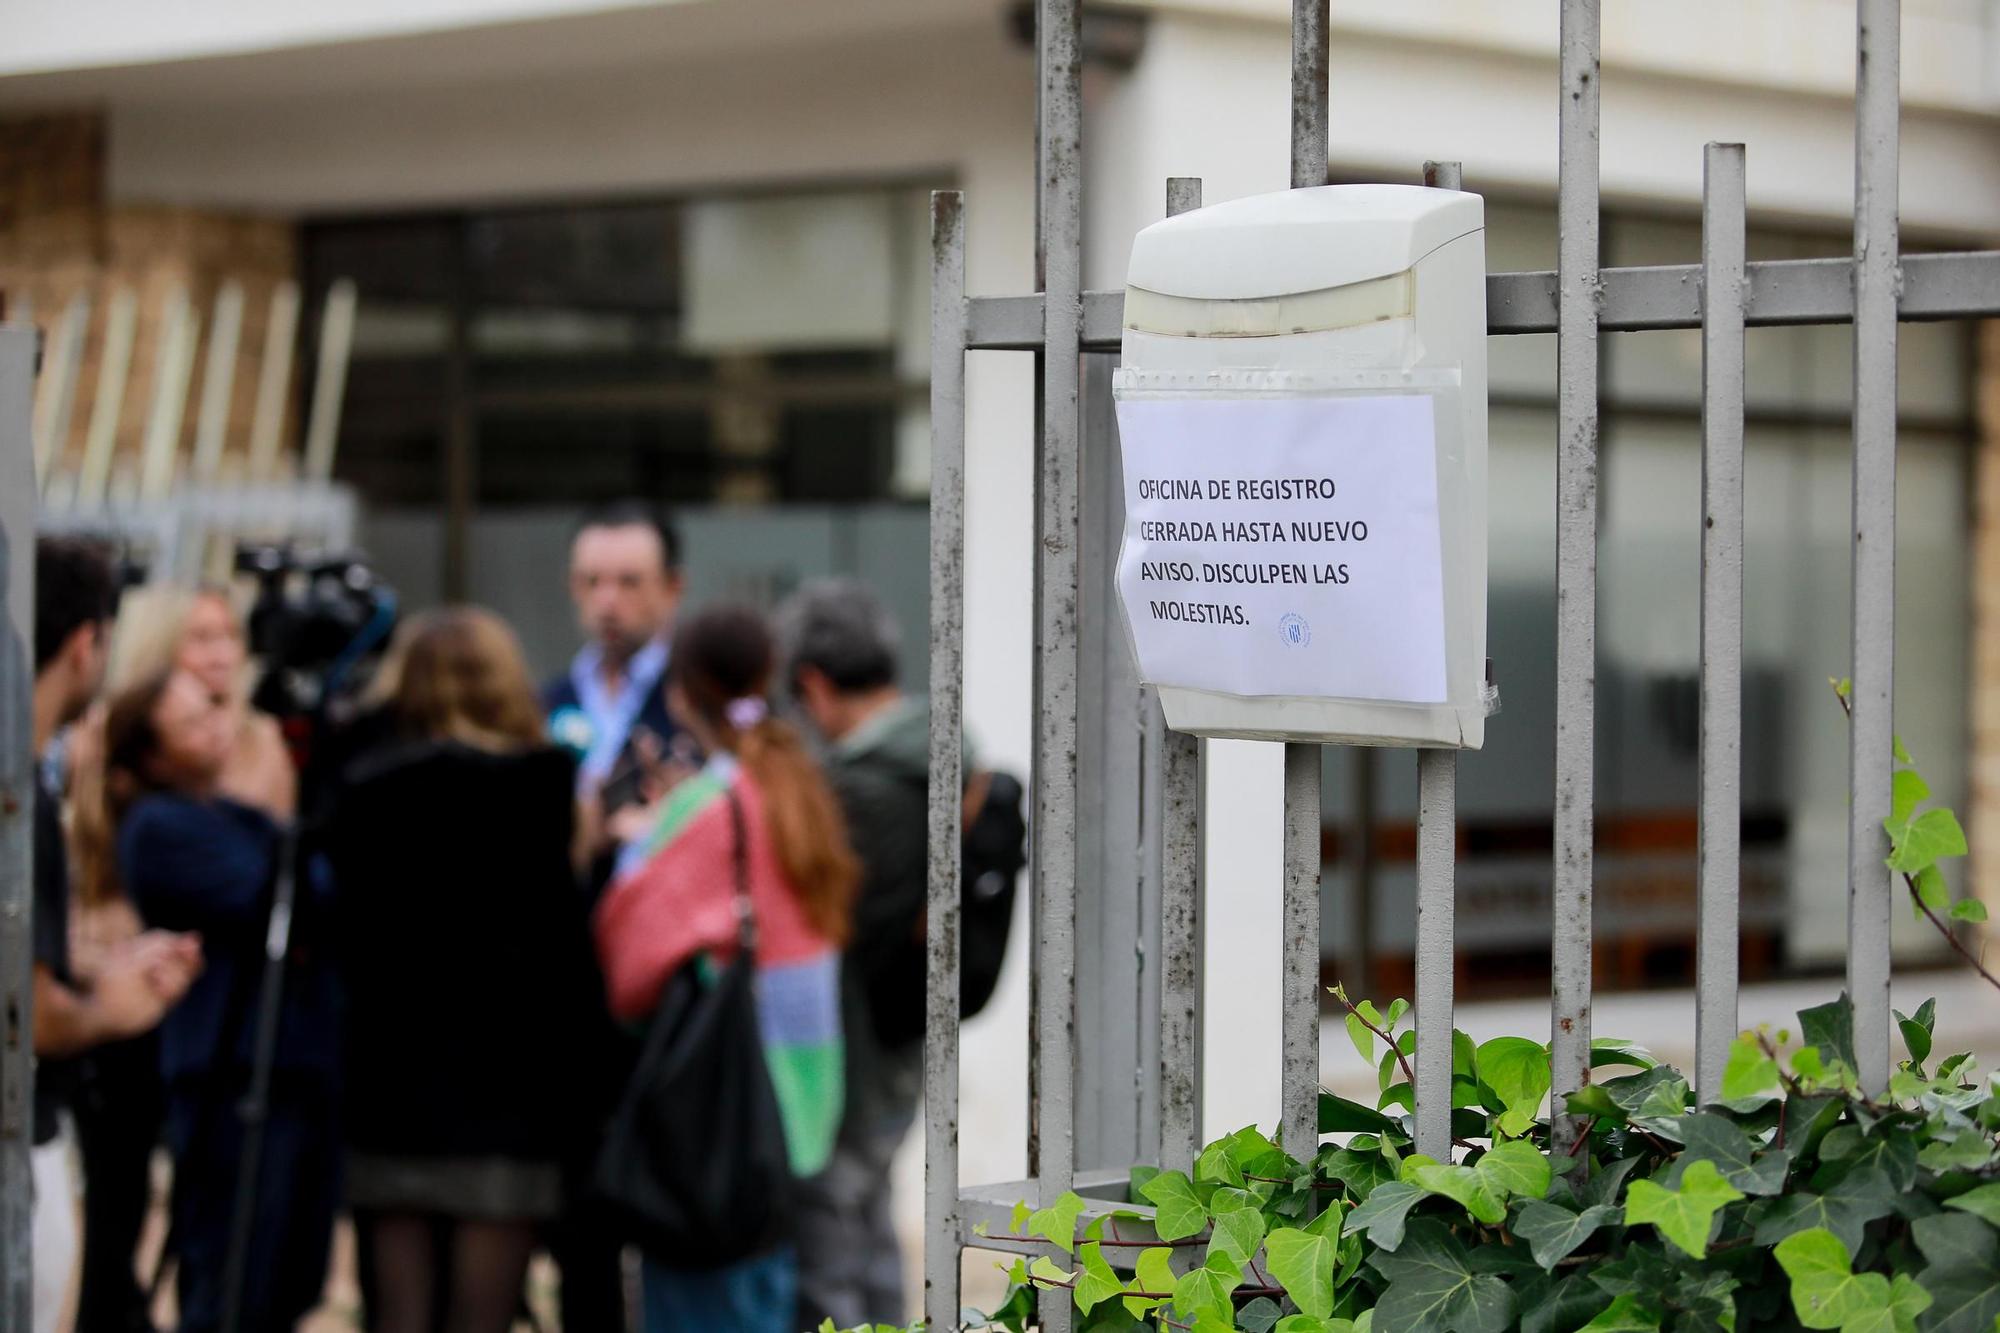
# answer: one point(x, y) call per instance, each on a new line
point(336, 340)
point(1060, 64)
point(17, 803)
point(1871, 737)
point(1310, 56)
point(173, 361)
point(1180, 901)
point(1299, 1020)
point(274, 377)
point(218, 377)
point(1720, 845)
point(114, 363)
point(1299, 968)
point(1437, 849)
point(947, 696)
point(55, 392)
point(1117, 946)
point(1577, 307)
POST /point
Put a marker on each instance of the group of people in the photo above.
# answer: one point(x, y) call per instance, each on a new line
point(490, 888)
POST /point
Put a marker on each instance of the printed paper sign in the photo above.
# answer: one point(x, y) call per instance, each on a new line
point(1284, 546)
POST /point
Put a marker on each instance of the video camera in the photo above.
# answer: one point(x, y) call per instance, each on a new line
point(319, 626)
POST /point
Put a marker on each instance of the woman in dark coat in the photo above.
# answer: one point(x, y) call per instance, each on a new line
point(470, 985)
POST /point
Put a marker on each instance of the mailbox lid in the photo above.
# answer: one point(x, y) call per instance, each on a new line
point(1299, 240)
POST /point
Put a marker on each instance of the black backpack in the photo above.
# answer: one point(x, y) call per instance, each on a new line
point(994, 852)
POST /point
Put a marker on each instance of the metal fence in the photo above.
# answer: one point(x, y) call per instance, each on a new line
point(1578, 301)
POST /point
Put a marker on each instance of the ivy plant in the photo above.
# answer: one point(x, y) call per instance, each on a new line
point(1793, 1199)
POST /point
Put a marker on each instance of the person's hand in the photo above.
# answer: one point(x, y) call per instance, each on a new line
point(631, 823)
point(125, 1001)
point(169, 961)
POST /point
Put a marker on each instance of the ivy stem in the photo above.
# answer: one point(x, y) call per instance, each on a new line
point(1950, 935)
point(1910, 882)
point(1401, 1059)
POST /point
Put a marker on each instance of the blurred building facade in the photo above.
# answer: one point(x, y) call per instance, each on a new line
point(679, 249)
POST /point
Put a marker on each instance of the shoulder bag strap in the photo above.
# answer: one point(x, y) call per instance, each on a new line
point(746, 917)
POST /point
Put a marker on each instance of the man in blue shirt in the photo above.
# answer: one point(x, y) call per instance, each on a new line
point(609, 707)
point(611, 710)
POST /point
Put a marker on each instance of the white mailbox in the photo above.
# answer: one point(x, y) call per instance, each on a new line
point(1302, 412)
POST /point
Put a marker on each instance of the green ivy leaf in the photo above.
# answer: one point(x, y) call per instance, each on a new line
point(1553, 1233)
point(1750, 1072)
point(1303, 1323)
point(1515, 1167)
point(1461, 1184)
point(1179, 1212)
point(1713, 1138)
point(1021, 1215)
point(1259, 1316)
point(1605, 1182)
point(1828, 1293)
point(1685, 1216)
point(1359, 1171)
point(1907, 790)
point(1968, 909)
point(1896, 748)
point(1338, 1115)
point(1964, 1272)
point(1926, 840)
point(1628, 1314)
point(1830, 1028)
point(1517, 1072)
point(1215, 1166)
point(1656, 1092)
point(1983, 1202)
point(1363, 1039)
point(1558, 1305)
point(1057, 1223)
point(1916, 1035)
point(1932, 892)
point(1847, 1206)
point(1302, 1263)
point(1096, 1284)
point(1153, 1273)
point(1045, 1269)
point(1237, 1234)
point(1846, 1150)
point(1617, 1051)
point(1433, 1287)
point(1206, 1290)
point(1381, 1218)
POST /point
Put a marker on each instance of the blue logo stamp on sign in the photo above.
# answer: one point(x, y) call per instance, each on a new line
point(1292, 627)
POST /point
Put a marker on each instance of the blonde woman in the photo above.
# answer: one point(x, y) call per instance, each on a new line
point(473, 1001)
point(197, 630)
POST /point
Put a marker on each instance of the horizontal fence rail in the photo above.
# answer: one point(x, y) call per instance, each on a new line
point(1958, 285)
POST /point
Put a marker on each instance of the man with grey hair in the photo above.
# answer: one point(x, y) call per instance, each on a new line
point(837, 655)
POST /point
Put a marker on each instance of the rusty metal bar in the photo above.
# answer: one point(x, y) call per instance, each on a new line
point(1180, 901)
point(1576, 554)
point(1877, 57)
point(1059, 59)
point(1719, 856)
point(947, 702)
point(17, 804)
point(1299, 970)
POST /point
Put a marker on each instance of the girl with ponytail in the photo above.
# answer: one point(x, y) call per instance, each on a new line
point(675, 898)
